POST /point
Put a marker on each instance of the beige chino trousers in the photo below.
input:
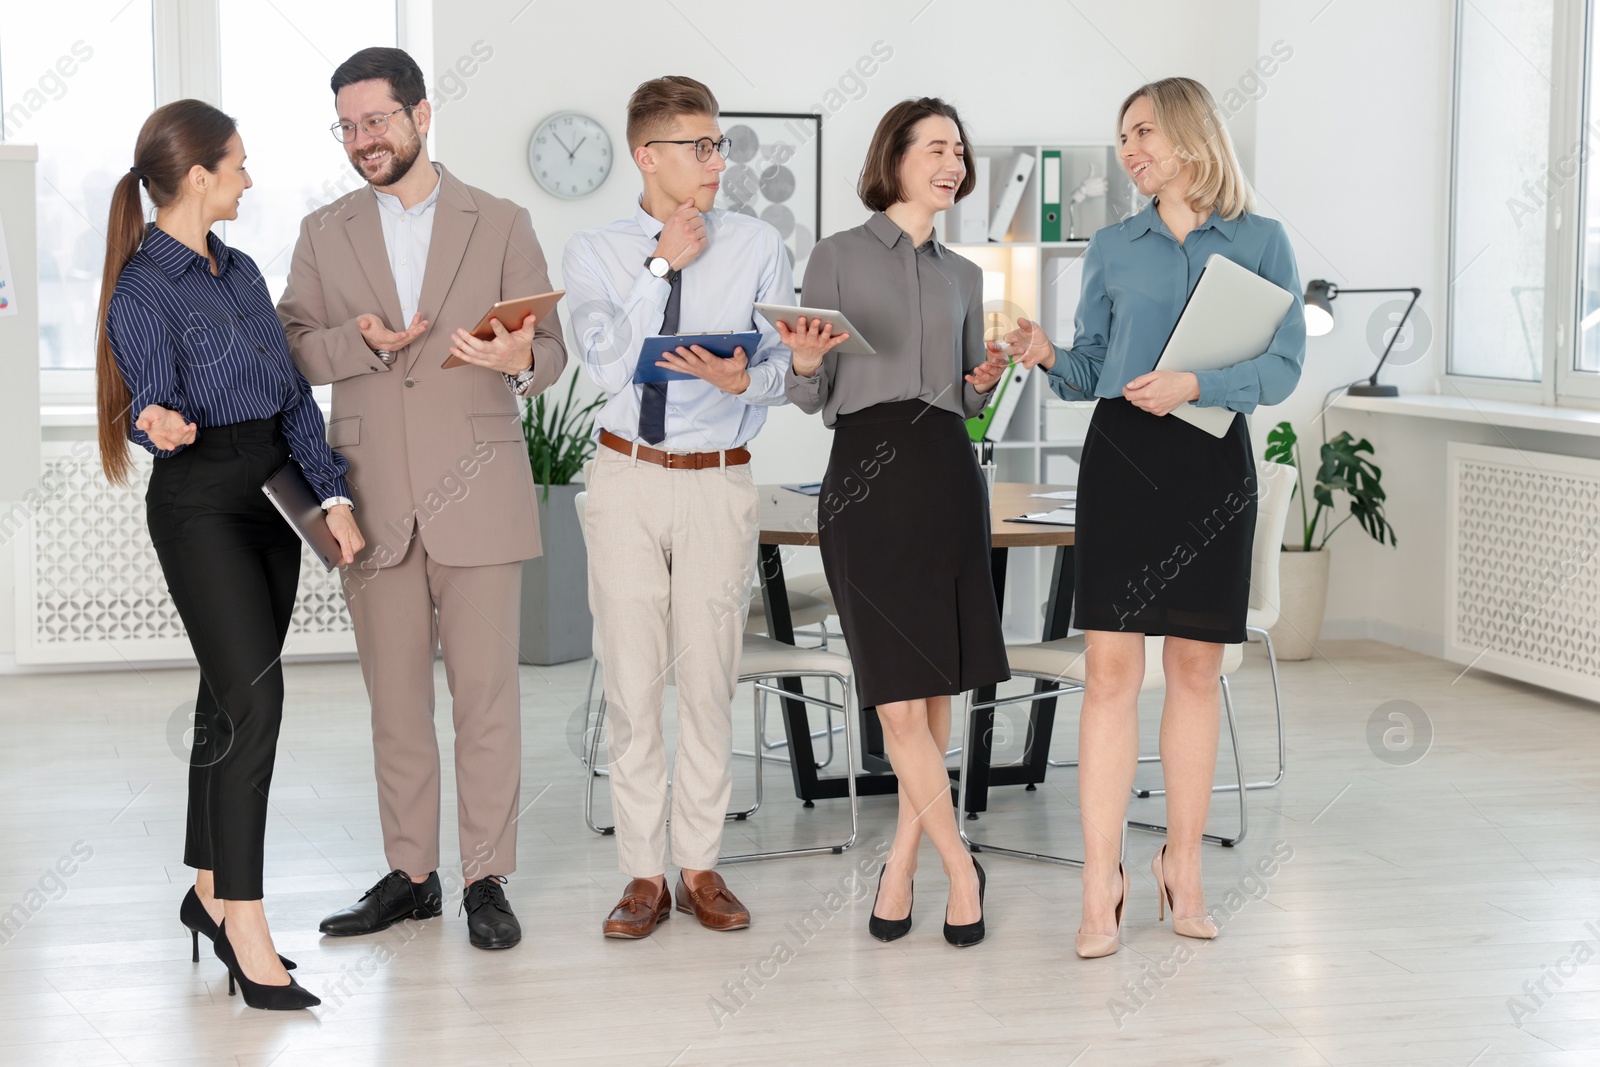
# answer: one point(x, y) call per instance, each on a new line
point(671, 558)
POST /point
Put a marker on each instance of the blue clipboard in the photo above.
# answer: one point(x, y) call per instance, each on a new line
point(718, 344)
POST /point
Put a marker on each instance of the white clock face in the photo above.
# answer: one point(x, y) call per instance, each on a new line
point(570, 155)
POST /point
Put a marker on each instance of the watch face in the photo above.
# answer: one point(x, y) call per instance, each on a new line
point(570, 155)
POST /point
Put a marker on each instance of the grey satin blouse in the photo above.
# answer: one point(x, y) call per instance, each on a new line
point(921, 309)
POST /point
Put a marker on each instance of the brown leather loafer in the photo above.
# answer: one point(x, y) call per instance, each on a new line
point(714, 904)
point(642, 906)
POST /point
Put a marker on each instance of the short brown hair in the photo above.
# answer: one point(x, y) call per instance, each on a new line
point(654, 105)
point(879, 187)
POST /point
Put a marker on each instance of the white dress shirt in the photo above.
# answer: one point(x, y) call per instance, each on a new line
point(407, 233)
point(615, 303)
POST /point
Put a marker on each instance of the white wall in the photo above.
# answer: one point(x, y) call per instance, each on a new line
point(1352, 154)
point(1020, 71)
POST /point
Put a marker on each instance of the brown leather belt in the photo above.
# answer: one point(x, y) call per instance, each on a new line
point(675, 461)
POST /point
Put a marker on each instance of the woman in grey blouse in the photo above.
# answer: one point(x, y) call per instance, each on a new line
point(915, 598)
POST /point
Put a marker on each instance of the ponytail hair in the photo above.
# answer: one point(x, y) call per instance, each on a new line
point(175, 138)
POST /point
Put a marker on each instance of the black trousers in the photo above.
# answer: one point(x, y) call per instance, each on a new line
point(232, 565)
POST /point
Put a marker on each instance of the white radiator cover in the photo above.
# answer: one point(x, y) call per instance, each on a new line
point(1524, 544)
point(89, 587)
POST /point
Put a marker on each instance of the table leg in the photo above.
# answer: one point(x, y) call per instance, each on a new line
point(1057, 622)
point(780, 627)
point(981, 739)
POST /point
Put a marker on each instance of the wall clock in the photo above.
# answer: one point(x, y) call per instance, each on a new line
point(570, 155)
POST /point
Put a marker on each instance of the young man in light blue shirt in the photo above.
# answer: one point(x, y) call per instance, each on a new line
point(672, 511)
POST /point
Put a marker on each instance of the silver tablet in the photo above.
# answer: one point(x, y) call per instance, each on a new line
point(856, 346)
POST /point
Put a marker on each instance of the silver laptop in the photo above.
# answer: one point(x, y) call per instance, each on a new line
point(292, 495)
point(1231, 316)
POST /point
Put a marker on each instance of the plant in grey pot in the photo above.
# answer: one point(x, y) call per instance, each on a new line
point(556, 624)
point(1346, 468)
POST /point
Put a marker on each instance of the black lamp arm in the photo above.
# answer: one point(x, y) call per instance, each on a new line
point(1416, 294)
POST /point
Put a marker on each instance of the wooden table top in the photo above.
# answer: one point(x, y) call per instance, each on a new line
point(790, 518)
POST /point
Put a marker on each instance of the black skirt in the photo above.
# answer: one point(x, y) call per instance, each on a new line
point(1166, 525)
point(903, 524)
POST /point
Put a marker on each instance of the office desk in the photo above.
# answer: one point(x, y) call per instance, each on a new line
point(790, 519)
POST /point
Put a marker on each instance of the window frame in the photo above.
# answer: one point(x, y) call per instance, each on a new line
point(1559, 385)
point(186, 40)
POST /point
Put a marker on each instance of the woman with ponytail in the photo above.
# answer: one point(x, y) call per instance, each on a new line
point(192, 366)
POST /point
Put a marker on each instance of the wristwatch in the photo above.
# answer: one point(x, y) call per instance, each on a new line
point(523, 380)
point(659, 266)
point(386, 356)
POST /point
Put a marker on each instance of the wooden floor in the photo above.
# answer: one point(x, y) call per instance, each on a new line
point(1434, 910)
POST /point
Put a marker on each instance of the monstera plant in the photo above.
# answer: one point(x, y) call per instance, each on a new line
point(1346, 468)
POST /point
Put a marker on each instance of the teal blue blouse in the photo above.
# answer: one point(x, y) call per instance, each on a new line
point(1136, 279)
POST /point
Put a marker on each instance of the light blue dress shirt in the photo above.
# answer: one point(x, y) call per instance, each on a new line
point(407, 232)
point(1136, 280)
point(615, 303)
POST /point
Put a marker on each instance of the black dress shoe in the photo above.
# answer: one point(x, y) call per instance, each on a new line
point(490, 921)
point(395, 897)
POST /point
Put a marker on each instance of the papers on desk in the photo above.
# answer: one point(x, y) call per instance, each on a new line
point(1059, 494)
point(807, 488)
point(1058, 517)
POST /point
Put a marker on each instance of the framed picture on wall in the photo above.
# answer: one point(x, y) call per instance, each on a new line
point(775, 174)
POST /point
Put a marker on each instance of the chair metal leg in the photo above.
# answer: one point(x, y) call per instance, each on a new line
point(843, 707)
point(1277, 704)
point(588, 702)
point(589, 775)
point(966, 778)
point(1238, 766)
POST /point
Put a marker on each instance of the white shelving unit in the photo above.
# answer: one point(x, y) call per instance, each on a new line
point(1040, 280)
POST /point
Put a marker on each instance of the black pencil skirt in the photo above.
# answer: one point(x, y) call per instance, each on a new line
point(232, 565)
point(1166, 525)
point(903, 524)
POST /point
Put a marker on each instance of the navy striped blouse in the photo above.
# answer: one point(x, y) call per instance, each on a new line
point(210, 347)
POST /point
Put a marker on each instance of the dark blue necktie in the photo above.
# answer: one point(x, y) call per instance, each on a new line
point(653, 404)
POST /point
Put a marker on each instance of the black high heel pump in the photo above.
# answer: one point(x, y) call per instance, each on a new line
point(270, 997)
point(193, 915)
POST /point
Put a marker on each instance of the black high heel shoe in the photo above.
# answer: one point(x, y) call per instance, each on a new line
point(271, 997)
point(890, 929)
point(970, 933)
point(193, 915)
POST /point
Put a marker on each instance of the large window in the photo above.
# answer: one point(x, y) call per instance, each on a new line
point(79, 87)
point(1525, 222)
point(276, 62)
point(79, 80)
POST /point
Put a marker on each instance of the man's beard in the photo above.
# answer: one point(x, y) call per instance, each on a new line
point(400, 164)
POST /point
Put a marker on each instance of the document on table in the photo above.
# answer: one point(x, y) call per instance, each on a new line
point(1058, 517)
point(1059, 494)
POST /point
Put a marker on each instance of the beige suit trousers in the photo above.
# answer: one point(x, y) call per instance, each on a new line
point(401, 613)
point(671, 558)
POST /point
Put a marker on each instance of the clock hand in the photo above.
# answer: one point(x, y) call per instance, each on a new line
point(575, 148)
point(560, 142)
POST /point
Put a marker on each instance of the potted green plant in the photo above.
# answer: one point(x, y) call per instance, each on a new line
point(556, 625)
point(1346, 468)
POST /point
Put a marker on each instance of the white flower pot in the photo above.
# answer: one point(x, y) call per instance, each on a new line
point(1303, 596)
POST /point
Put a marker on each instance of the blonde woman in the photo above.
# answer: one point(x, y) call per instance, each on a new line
point(1166, 512)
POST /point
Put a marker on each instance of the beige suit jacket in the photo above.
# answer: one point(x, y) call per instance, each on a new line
point(436, 453)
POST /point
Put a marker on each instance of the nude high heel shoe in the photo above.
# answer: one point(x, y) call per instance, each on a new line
point(1091, 946)
point(1201, 927)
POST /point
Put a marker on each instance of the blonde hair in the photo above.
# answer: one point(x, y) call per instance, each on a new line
point(1188, 117)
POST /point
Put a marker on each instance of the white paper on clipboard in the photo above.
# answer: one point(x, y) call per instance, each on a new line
point(1231, 316)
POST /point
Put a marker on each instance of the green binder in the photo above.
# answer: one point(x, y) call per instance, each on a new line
point(1050, 195)
point(978, 425)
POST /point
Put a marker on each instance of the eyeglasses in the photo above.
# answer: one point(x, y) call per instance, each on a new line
point(374, 125)
point(702, 147)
